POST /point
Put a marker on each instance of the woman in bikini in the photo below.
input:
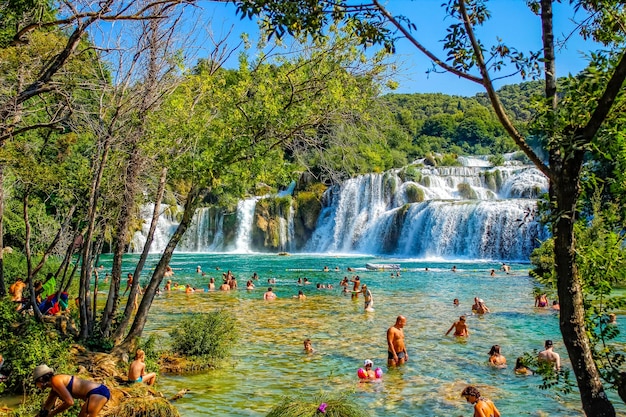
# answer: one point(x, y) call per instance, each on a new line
point(66, 388)
point(482, 406)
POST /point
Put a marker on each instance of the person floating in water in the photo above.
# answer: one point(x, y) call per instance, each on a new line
point(460, 328)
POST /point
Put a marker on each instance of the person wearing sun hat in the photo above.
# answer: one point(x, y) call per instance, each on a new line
point(67, 388)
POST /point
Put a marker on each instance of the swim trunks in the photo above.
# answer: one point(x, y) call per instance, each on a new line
point(542, 304)
point(140, 379)
point(390, 355)
point(100, 390)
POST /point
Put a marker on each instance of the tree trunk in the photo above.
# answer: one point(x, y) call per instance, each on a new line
point(3, 288)
point(123, 222)
point(121, 328)
point(141, 317)
point(564, 194)
point(85, 273)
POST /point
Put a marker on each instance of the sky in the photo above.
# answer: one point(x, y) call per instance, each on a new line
point(511, 21)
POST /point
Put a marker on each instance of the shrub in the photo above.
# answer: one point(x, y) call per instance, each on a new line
point(467, 192)
point(25, 343)
point(410, 173)
point(496, 160)
point(210, 335)
point(450, 160)
point(414, 194)
point(336, 405)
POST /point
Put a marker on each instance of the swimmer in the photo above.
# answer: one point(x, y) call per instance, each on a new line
point(453, 268)
point(198, 269)
point(249, 285)
point(495, 358)
point(212, 284)
point(493, 273)
point(371, 374)
point(555, 305)
point(548, 355)
point(300, 295)
point(188, 289)
point(520, 369)
point(308, 346)
point(455, 302)
point(460, 328)
point(269, 294)
point(482, 406)
point(541, 300)
point(506, 268)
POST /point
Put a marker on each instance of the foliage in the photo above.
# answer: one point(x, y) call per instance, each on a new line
point(466, 191)
point(496, 160)
point(14, 264)
point(145, 406)
point(543, 260)
point(26, 344)
point(601, 258)
point(210, 335)
point(336, 405)
point(551, 378)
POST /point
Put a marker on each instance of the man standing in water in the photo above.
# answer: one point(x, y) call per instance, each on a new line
point(548, 355)
point(396, 350)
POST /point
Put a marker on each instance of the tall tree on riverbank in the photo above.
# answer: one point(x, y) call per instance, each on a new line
point(570, 119)
point(238, 129)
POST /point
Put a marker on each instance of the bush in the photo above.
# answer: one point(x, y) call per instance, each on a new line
point(336, 405)
point(496, 160)
point(414, 194)
point(210, 335)
point(25, 343)
point(467, 192)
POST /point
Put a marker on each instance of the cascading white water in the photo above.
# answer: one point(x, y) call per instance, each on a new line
point(245, 215)
point(166, 226)
point(373, 214)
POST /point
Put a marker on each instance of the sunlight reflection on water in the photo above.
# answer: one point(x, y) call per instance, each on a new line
point(268, 362)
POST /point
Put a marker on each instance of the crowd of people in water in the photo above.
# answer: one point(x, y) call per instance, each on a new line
point(66, 388)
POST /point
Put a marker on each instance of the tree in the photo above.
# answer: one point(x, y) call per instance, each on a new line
point(248, 126)
point(567, 128)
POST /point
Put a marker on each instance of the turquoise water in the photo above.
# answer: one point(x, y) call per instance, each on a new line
point(268, 362)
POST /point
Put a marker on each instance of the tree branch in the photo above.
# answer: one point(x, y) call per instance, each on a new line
point(423, 49)
point(495, 101)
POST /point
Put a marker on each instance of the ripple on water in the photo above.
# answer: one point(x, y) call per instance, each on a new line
point(268, 362)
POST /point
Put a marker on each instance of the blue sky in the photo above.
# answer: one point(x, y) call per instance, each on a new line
point(511, 20)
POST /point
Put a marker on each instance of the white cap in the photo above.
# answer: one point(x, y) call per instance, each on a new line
point(368, 362)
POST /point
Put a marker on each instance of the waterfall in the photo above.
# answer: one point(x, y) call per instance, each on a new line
point(474, 211)
point(374, 214)
point(245, 215)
